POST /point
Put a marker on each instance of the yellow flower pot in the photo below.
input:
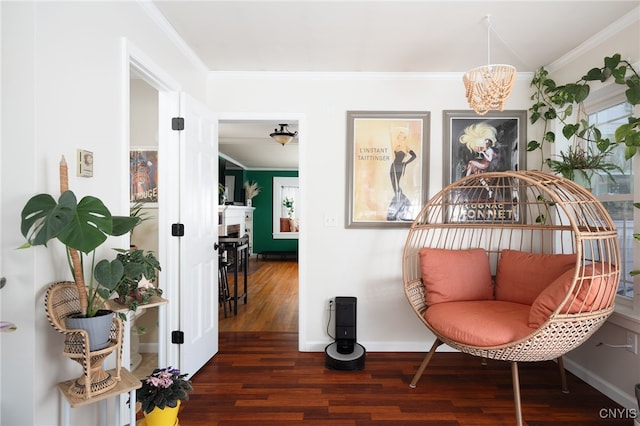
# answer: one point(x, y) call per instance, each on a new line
point(166, 416)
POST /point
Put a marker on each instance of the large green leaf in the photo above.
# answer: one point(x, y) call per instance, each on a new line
point(594, 74)
point(550, 137)
point(569, 130)
point(533, 145)
point(80, 225)
point(622, 131)
point(613, 61)
point(633, 92)
point(123, 224)
point(134, 270)
point(43, 218)
point(89, 226)
point(108, 274)
point(581, 93)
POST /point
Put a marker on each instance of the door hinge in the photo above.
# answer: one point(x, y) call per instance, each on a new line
point(177, 229)
point(177, 123)
point(177, 337)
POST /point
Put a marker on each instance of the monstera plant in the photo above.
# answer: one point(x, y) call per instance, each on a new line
point(81, 226)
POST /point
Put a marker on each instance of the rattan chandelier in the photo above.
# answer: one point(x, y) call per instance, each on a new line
point(488, 87)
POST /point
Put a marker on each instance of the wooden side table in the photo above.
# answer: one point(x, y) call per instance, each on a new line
point(128, 384)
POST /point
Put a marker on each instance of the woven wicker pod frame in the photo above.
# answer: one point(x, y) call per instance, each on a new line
point(527, 211)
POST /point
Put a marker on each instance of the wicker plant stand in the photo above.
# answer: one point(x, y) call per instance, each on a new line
point(61, 301)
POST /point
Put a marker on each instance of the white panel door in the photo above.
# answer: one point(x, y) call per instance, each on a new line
point(199, 214)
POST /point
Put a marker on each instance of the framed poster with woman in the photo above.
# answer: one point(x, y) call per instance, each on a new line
point(474, 145)
point(387, 175)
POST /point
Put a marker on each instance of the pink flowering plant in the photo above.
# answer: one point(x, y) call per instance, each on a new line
point(163, 388)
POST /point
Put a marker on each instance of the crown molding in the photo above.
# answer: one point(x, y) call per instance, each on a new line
point(158, 18)
point(629, 19)
point(350, 76)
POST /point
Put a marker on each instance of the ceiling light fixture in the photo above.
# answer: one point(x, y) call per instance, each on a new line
point(488, 87)
point(283, 136)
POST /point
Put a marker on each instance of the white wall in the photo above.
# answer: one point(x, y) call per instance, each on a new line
point(64, 86)
point(349, 262)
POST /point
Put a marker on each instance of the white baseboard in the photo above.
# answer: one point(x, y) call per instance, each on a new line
point(374, 346)
point(627, 400)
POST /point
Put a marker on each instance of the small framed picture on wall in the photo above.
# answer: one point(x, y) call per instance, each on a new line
point(143, 165)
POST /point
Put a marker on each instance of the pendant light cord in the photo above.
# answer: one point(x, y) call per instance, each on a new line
point(489, 30)
point(488, 39)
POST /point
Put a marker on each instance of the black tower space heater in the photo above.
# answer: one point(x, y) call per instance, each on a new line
point(345, 353)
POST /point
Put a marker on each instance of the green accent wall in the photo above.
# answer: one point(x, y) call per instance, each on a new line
point(263, 213)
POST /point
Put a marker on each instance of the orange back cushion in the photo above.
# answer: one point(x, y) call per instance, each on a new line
point(521, 276)
point(455, 275)
point(595, 291)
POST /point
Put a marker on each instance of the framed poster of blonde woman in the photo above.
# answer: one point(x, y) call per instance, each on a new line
point(474, 145)
point(387, 176)
point(489, 143)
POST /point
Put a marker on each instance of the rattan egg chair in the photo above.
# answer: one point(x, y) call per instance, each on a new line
point(516, 266)
point(61, 301)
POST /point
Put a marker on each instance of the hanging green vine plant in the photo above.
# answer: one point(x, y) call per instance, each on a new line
point(553, 101)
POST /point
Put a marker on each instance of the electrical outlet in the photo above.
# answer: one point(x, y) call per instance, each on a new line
point(632, 342)
point(330, 305)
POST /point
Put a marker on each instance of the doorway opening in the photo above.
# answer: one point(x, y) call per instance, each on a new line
point(249, 155)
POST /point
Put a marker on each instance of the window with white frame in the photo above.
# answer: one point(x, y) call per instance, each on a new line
point(618, 195)
point(286, 207)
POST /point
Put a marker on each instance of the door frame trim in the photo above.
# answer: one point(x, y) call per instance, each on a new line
point(136, 63)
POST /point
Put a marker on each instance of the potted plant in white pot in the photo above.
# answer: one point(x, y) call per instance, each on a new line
point(81, 226)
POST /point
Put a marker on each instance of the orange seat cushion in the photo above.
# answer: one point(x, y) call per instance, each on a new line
point(480, 323)
point(455, 275)
point(521, 276)
point(594, 292)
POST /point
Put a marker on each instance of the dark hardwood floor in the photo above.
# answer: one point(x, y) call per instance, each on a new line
point(260, 378)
